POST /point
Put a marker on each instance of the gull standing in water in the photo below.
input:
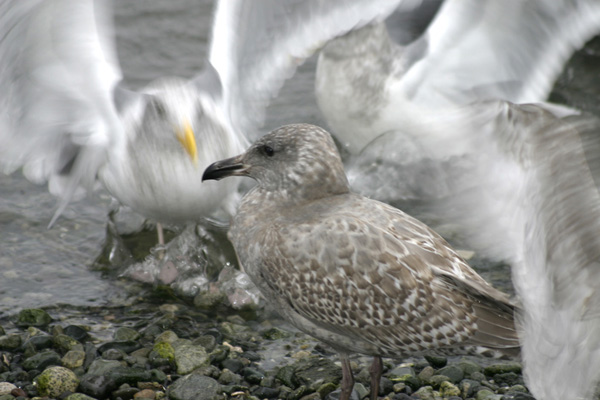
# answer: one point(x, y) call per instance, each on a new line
point(358, 274)
point(443, 120)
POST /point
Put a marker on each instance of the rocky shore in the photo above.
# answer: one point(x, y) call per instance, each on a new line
point(157, 349)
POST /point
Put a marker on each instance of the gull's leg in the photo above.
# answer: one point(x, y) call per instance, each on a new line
point(375, 370)
point(347, 383)
point(161, 235)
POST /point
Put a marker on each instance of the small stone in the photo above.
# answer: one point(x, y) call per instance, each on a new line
point(486, 394)
point(73, 359)
point(233, 364)
point(478, 376)
point(229, 378)
point(97, 386)
point(10, 342)
point(286, 375)
point(312, 396)
point(275, 334)
point(437, 380)
point(496, 369)
point(18, 392)
point(436, 362)
point(189, 357)
point(425, 393)
point(518, 396)
point(207, 341)
point(166, 336)
point(469, 387)
point(219, 354)
point(42, 360)
point(360, 390)
point(194, 387)
point(65, 343)
point(124, 392)
point(265, 392)
point(114, 354)
point(129, 375)
point(426, 374)
point(208, 300)
point(313, 372)
point(124, 333)
point(79, 396)
point(454, 373)
point(33, 317)
point(469, 367)
point(78, 333)
point(164, 350)
point(126, 346)
point(2, 331)
point(326, 388)
point(253, 375)
point(145, 394)
point(54, 381)
point(508, 379)
point(6, 387)
point(448, 389)
point(103, 367)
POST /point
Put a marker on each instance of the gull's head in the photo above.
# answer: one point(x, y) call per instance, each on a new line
point(182, 119)
point(298, 160)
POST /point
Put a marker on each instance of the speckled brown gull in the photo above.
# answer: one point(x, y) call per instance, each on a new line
point(357, 274)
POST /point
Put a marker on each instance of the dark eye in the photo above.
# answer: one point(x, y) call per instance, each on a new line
point(159, 108)
point(268, 150)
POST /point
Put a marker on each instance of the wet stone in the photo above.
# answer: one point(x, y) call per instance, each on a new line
point(78, 396)
point(113, 354)
point(42, 360)
point(124, 334)
point(194, 387)
point(469, 367)
point(469, 387)
point(129, 375)
point(275, 334)
point(33, 317)
point(125, 392)
point(437, 380)
point(233, 364)
point(6, 387)
point(486, 394)
point(189, 357)
point(517, 396)
point(436, 361)
point(253, 375)
point(448, 389)
point(97, 386)
point(10, 342)
point(207, 341)
point(65, 343)
point(453, 372)
point(126, 346)
point(265, 392)
point(287, 376)
point(73, 359)
point(55, 381)
point(229, 378)
point(508, 379)
point(103, 367)
point(313, 372)
point(496, 369)
point(77, 332)
point(39, 342)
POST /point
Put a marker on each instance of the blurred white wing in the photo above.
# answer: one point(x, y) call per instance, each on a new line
point(512, 50)
point(58, 70)
point(258, 44)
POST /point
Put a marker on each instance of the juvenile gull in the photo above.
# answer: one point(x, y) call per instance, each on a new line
point(358, 274)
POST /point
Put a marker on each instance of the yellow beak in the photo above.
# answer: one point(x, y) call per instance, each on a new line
point(185, 136)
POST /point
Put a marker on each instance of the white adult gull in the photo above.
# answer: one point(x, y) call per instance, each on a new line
point(66, 116)
point(358, 274)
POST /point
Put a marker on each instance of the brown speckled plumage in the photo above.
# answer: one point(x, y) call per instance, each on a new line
point(355, 273)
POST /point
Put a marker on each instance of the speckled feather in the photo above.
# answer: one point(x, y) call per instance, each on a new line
point(358, 274)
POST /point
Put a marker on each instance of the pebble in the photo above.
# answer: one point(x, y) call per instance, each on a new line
point(6, 387)
point(55, 381)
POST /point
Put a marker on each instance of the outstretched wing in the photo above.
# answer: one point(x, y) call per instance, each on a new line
point(511, 50)
point(257, 45)
point(58, 71)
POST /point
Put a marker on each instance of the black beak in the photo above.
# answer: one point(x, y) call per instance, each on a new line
point(222, 169)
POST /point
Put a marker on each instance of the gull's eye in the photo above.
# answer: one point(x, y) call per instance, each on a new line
point(159, 108)
point(268, 150)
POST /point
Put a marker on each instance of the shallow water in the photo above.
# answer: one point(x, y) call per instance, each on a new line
point(41, 267)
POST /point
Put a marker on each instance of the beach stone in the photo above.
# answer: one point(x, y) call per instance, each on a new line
point(189, 357)
point(209, 342)
point(126, 346)
point(129, 375)
point(103, 367)
point(426, 374)
point(229, 378)
point(253, 375)
point(436, 361)
point(425, 393)
point(33, 317)
point(326, 388)
point(145, 394)
point(39, 342)
point(77, 332)
point(6, 387)
point(219, 354)
point(486, 394)
point(453, 372)
point(97, 386)
point(287, 376)
point(508, 379)
point(448, 389)
point(65, 343)
point(194, 387)
point(166, 336)
point(437, 380)
point(469, 387)
point(42, 360)
point(313, 372)
point(209, 299)
point(73, 359)
point(233, 364)
point(124, 334)
point(275, 334)
point(469, 367)
point(78, 396)
point(125, 391)
point(265, 392)
point(10, 342)
point(114, 354)
point(54, 381)
point(517, 396)
point(496, 369)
